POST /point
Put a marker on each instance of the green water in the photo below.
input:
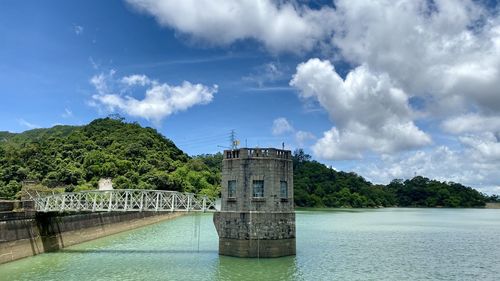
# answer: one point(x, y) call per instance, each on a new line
point(382, 244)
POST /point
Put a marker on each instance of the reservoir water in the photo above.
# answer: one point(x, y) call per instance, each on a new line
point(378, 244)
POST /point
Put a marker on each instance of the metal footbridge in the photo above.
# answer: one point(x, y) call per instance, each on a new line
point(122, 200)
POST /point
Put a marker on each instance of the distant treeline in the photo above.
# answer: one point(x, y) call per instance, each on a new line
point(319, 186)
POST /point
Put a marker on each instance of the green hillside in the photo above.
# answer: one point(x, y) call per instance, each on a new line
point(76, 157)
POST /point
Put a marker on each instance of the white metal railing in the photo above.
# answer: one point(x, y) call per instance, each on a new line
point(122, 200)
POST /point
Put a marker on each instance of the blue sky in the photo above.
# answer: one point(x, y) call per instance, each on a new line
point(385, 89)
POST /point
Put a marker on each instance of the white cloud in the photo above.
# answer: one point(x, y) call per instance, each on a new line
point(369, 111)
point(267, 73)
point(28, 124)
point(281, 126)
point(279, 25)
point(160, 99)
point(441, 163)
point(486, 146)
point(94, 64)
point(302, 137)
point(136, 79)
point(100, 82)
point(472, 123)
point(445, 51)
point(78, 29)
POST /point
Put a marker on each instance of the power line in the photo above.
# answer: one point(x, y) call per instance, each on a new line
point(200, 140)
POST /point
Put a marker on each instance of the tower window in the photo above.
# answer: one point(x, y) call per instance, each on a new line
point(231, 188)
point(258, 188)
point(283, 189)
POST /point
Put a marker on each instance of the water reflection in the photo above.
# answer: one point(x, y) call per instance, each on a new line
point(231, 268)
point(135, 251)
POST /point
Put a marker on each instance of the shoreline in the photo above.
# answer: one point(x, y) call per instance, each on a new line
point(495, 205)
point(487, 206)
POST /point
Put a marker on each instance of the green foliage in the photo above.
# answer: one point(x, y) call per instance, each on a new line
point(494, 198)
point(213, 178)
point(76, 157)
point(316, 185)
point(423, 192)
point(8, 191)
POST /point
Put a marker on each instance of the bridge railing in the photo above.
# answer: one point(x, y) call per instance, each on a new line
point(125, 200)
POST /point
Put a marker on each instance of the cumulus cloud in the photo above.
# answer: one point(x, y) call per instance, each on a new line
point(441, 163)
point(136, 79)
point(369, 111)
point(279, 25)
point(100, 82)
point(472, 123)
point(281, 126)
point(160, 99)
point(446, 51)
point(486, 146)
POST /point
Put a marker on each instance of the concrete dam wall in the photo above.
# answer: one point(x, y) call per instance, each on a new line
point(34, 233)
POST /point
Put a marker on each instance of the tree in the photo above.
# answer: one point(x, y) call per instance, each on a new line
point(9, 191)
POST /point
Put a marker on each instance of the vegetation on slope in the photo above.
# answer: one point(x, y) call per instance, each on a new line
point(76, 157)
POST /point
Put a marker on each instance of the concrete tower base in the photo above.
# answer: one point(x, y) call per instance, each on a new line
point(256, 234)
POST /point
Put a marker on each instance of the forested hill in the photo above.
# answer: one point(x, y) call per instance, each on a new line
point(76, 157)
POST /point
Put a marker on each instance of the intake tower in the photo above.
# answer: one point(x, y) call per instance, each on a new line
point(257, 217)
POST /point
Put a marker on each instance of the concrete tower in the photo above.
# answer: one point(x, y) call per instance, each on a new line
point(257, 218)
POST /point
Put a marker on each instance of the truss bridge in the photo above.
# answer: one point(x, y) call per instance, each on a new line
point(122, 200)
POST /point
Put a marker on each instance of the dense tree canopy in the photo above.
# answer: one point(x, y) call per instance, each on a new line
point(316, 185)
point(76, 157)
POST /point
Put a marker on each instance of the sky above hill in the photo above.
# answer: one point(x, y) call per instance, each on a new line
point(386, 88)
